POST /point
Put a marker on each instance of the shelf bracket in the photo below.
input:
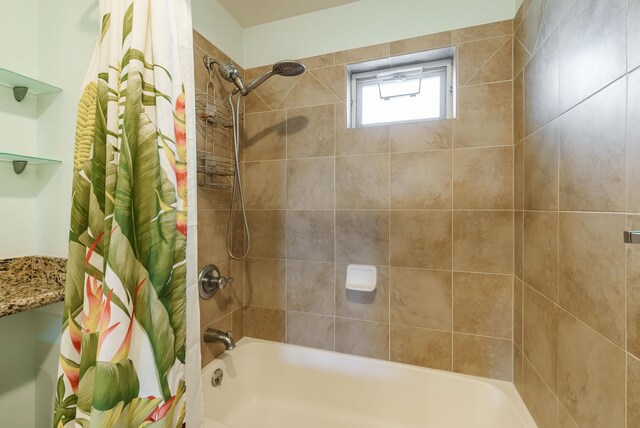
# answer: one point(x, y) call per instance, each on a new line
point(19, 166)
point(19, 92)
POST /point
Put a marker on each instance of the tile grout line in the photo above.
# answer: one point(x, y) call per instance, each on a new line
point(509, 37)
point(389, 239)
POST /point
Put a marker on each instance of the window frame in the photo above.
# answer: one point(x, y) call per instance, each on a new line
point(442, 67)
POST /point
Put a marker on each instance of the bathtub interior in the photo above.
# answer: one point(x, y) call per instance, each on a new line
point(269, 385)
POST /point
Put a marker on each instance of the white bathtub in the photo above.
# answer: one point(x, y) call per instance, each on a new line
point(272, 385)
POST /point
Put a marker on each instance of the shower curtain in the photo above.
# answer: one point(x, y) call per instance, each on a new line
point(124, 337)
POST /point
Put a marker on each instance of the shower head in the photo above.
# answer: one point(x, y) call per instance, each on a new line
point(288, 68)
point(229, 72)
point(281, 68)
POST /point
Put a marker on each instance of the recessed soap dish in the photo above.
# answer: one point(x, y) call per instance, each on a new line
point(361, 278)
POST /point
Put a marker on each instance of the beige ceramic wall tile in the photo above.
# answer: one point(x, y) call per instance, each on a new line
point(518, 176)
point(542, 86)
point(541, 252)
point(200, 71)
point(268, 233)
point(591, 30)
point(421, 239)
point(421, 43)
point(362, 182)
point(592, 271)
point(310, 131)
point(421, 180)
point(266, 283)
point(213, 199)
point(633, 141)
point(415, 137)
point(370, 306)
point(254, 104)
point(565, 420)
point(308, 91)
point(518, 108)
point(485, 116)
point(473, 56)
point(211, 351)
point(498, 68)
point(267, 324)
point(591, 375)
point(362, 54)
point(334, 78)
point(310, 183)
point(541, 402)
point(485, 31)
point(310, 235)
point(217, 306)
point(528, 31)
point(274, 90)
point(521, 56)
point(541, 169)
point(265, 136)
point(540, 344)
point(318, 61)
point(633, 392)
point(482, 356)
point(633, 291)
point(354, 141)
point(265, 184)
point(224, 301)
point(237, 324)
point(633, 35)
point(518, 375)
point(517, 19)
point(362, 237)
point(310, 287)
point(364, 338)
point(212, 232)
point(518, 309)
point(421, 347)
point(483, 304)
point(518, 244)
point(592, 153)
point(483, 241)
point(421, 298)
point(483, 178)
point(553, 15)
point(314, 331)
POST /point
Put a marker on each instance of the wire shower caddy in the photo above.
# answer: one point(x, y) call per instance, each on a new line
point(214, 124)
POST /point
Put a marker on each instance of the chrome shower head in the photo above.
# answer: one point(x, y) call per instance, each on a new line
point(288, 68)
point(229, 72)
point(281, 68)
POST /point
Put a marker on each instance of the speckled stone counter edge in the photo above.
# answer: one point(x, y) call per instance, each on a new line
point(30, 282)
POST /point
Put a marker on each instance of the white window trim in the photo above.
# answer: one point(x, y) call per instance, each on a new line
point(444, 67)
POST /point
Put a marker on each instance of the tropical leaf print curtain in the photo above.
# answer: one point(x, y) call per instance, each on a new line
point(122, 361)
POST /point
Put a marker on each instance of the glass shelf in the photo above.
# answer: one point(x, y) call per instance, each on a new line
point(35, 87)
point(20, 162)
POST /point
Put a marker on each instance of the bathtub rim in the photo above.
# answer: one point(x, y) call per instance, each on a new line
point(507, 388)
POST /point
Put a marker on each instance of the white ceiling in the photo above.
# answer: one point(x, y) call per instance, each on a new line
point(255, 12)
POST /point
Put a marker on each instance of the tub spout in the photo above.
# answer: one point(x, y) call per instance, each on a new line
point(217, 336)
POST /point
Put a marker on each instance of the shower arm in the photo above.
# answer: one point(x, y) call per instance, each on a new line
point(254, 84)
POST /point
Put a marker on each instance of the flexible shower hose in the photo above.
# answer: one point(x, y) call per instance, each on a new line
point(237, 186)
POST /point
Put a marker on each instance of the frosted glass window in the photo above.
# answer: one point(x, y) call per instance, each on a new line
point(404, 94)
point(427, 104)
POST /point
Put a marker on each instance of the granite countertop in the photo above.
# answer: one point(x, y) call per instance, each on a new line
point(30, 282)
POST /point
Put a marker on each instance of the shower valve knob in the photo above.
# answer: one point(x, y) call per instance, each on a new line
point(210, 281)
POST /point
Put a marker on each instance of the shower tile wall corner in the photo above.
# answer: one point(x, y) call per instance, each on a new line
point(576, 117)
point(225, 310)
point(430, 204)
